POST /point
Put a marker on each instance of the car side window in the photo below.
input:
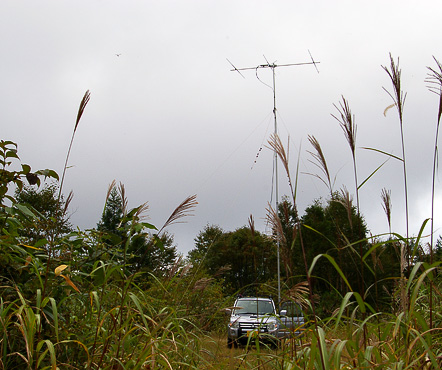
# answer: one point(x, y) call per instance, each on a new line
point(292, 308)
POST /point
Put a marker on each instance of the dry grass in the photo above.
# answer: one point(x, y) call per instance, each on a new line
point(320, 162)
point(219, 356)
point(81, 109)
point(386, 205)
point(182, 211)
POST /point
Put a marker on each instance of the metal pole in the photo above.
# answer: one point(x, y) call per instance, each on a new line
point(275, 158)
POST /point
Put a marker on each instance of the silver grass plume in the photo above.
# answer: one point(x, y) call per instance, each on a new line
point(386, 205)
point(81, 109)
point(183, 210)
point(320, 162)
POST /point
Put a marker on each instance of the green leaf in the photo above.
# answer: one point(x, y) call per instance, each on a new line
point(368, 178)
point(25, 210)
point(55, 313)
point(11, 153)
point(382, 152)
point(51, 349)
point(148, 226)
point(419, 236)
point(26, 168)
point(48, 173)
point(98, 272)
point(335, 265)
point(137, 302)
point(344, 305)
point(318, 232)
point(360, 301)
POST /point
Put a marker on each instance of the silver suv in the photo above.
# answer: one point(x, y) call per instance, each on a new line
point(251, 317)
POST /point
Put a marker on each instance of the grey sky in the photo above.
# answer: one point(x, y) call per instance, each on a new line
point(169, 119)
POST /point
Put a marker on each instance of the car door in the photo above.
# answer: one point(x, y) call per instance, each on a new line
point(292, 319)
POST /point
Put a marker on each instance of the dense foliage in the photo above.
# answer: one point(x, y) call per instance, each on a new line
point(243, 258)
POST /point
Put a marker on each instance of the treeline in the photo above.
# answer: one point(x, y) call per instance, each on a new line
point(336, 241)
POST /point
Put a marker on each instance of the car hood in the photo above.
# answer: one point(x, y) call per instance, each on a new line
point(252, 318)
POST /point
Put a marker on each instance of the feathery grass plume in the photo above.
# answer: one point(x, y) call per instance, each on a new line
point(320, 162)
point(139, 214)
point(347, 201)
point(109, 190)
point(279, 236)
point(183, 210)
point(275, 224)
point(398, 96)
point(81, 109)
point(202, 283)
point(434, 80)
point(277, 146)
point(68, 202)
point(386, 205)
point(299, 293)
point(252, 225)
point(173, 270)
point(347, 123)
point(124, 201)
point(185, 269)
point(222, 270)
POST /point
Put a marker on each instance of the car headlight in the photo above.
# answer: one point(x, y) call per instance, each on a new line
point(234, 325)
point(272, 326)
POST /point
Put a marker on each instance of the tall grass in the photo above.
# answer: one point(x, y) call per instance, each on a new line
point(406, 338)
point(81, 108)
point(88, 310)
point(398, 97)
point(435, 85)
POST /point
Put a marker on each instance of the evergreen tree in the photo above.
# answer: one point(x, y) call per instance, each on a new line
point(333, 228)
point(144, 252)
point(52, 220)
point(113, 212)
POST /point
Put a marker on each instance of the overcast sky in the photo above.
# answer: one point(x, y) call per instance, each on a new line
point(169, 119)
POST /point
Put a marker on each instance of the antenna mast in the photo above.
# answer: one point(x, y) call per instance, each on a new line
point(273, 66)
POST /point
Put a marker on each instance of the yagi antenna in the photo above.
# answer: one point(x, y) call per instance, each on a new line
point(313, 61)
point(266, 59)
point(273, 66)
point(234, 68)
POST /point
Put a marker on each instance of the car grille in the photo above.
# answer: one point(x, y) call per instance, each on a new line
point(244, 327)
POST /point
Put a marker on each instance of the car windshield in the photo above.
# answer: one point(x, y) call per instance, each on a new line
point(249, 306)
